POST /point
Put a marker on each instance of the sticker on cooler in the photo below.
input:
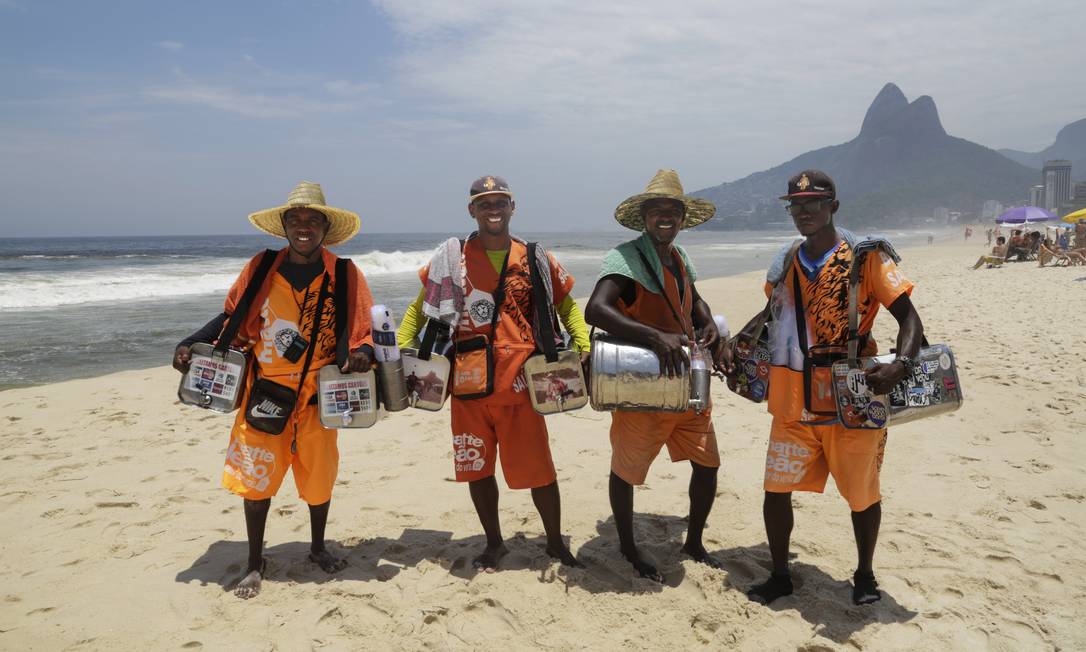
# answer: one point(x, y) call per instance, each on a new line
point(214, 377)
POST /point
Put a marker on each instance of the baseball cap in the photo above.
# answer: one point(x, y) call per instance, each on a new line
point(811, 183)
point(489, 185)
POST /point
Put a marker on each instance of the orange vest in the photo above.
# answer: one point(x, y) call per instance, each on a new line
point(652, 309)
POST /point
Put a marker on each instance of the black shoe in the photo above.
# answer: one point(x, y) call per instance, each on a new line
point(865, 588)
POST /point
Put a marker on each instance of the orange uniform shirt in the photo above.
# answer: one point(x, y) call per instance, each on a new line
point(512, 338)
point(825, 303)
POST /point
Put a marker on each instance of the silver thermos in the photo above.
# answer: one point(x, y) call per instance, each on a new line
point(389, 364)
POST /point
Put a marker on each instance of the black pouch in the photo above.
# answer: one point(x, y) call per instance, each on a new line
point(270, 406)
point(473, 368)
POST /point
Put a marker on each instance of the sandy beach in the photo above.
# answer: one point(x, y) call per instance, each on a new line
point(116, 535)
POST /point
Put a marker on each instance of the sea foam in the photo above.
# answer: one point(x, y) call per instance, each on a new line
point(58, 287)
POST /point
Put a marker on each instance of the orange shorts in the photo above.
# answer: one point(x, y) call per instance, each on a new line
point(256, 462)
point(636, 439)
point(800, 457)
point(482, 431)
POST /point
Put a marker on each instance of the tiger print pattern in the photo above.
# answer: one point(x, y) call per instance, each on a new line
point(826, 299)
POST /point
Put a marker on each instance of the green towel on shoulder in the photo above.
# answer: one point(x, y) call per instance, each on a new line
point(624, 261)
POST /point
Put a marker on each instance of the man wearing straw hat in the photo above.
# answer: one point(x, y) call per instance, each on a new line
point(481, 289)
point(276, 331)
point(646, 294)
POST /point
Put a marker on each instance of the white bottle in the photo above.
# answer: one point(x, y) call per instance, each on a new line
point(384, 334)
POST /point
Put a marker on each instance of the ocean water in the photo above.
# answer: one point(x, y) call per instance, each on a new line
point(83, 307)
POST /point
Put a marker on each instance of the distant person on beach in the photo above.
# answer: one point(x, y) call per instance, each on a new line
point(968, 232)
point(278, 333)
point(1052, 252)
point(492, 313)
point(806, 441)
point(1080, 234)
point(988, 233)
point(996, 258)
point(646, 294)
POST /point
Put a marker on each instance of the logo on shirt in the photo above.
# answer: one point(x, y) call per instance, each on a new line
point(480, 308)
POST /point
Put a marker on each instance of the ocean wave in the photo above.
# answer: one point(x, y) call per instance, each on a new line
point(35, 290)
point(376, 263)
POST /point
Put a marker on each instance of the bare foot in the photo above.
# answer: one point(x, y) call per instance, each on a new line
point(488, 561)
point(643, 568)
point(699, 554)
point(562, 554)
point(328, 563)
point(249, 586)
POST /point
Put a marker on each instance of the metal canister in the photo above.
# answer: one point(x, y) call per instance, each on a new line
point(627, 377)
point(392, 384)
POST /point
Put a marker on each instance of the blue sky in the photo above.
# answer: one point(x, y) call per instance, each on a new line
point(182, 117)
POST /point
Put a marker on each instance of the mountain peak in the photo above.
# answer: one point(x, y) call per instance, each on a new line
point(892, 113)
point(888, 103)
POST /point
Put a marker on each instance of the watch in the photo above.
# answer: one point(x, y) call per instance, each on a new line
point(907, 361)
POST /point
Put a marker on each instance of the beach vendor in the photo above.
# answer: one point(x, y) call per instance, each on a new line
point(297, 291)
point(629, 302)
point(806, 441)
point(495, 420)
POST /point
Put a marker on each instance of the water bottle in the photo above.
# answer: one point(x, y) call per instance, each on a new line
point(699, 379)
point(384, 334)
point(389, 365)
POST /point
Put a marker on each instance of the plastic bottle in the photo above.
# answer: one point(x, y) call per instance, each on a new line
point(384, 334)
point(389, 365)
point(699, 379)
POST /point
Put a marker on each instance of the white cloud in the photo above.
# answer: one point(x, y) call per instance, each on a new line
point(249, 104)
point(759, 81)
point(346, 88)
point(172, 46)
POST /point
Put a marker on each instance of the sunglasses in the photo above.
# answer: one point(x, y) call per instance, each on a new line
point(810, 206)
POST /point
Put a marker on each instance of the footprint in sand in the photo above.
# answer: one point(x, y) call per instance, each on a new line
point(116, 503)
point(42, 610)
point(500, 618)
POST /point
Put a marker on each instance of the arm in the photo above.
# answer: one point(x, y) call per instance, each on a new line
point(573, 320)
point(602, 311)
point(883, 377)
point(407, 335)
point(207, 333)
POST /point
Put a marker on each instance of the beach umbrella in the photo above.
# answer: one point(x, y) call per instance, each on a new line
point(1071, 218)
point(1025, 215)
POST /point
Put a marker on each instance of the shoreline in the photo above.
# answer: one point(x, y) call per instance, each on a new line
point(112, 490)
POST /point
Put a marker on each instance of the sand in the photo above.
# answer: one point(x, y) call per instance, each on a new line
point(115, 533)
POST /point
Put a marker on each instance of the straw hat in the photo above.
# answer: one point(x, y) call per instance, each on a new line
point(342, 224)
point(665, 185)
